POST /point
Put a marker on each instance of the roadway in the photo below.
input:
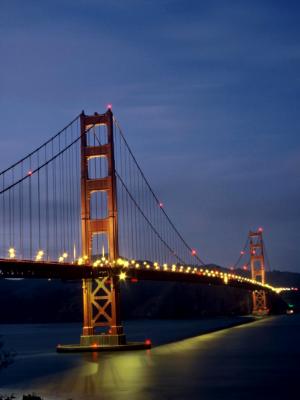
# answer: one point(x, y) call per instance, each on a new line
point(16, 269)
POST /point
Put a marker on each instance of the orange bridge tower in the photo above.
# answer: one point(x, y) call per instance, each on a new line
point(257, 263)
point(101, 307)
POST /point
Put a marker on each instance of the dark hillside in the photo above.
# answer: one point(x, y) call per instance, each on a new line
point(28, 301)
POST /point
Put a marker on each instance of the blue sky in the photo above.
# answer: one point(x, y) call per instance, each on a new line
point(206, 91)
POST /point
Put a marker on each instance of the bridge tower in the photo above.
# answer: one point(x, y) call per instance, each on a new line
point(100, 296)
point(257, 263)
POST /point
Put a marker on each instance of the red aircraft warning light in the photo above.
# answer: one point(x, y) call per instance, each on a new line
point(194, 252)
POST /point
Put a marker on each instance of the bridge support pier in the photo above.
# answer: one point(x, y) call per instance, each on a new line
point(259, 303)
point(101, 298)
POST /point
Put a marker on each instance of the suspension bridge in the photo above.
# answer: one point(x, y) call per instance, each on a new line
point(80, 207)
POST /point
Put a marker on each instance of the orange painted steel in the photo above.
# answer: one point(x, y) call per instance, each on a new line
point(257, 263)
point(100, 296)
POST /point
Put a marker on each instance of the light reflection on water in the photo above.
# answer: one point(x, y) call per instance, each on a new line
point(96, 373)
point(234, 363)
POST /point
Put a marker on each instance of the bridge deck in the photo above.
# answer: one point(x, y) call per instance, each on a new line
point(16, 269)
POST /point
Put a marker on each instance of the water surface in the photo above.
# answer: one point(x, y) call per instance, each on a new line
point(257, 360)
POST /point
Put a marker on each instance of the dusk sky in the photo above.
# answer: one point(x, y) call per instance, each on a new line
point(207, 93)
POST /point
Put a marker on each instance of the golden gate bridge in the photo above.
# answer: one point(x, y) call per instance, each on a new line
point(80, 207)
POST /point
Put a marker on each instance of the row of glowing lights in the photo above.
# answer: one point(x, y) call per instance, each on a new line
point(39, 255)
point(183, 269)
point(156, 266)
point(188, 269)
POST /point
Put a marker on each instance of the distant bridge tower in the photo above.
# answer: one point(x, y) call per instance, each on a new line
point(100, 296)
point(257, 263)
